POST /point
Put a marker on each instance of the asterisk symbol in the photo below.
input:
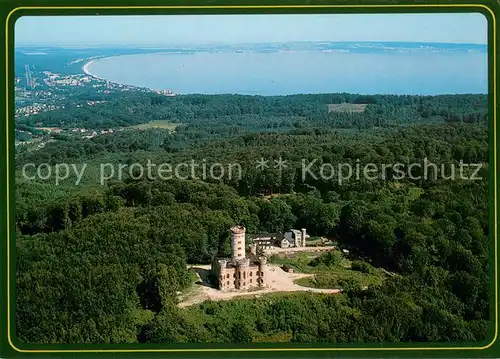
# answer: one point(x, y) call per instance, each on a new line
point(280, 164)
point(262, 164)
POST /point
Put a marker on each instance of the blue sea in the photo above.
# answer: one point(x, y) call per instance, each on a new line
point(281, 69)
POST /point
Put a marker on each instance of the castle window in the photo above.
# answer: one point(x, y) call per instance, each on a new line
point(227, 282)
point(244, 275)
point(228, 275)
point(250, 276)
point(250, 280)
point(234, 275)
point(244, 283)
point(239, 275)
point(239, 248)
point(261, 274)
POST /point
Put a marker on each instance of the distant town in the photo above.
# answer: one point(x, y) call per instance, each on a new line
point(38, 91)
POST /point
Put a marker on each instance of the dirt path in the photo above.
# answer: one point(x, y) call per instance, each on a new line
point(277, 281)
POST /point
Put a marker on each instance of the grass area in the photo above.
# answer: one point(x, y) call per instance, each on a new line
point(331, 270)
point(299, 261)
point(338, 277)
point(346, 107)
point(313, 240)
point(192, 276)
point(193, 289)
point(156, 124)
point(318, 242)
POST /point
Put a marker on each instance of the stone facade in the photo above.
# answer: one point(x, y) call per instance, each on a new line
point(242, 271)
point(294, 238)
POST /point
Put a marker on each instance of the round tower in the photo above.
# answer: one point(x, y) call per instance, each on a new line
point(222, 274)
point(242, 278)
point(238, 242)
point(262, 271)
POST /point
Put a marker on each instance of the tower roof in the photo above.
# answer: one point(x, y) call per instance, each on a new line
point(237, 229)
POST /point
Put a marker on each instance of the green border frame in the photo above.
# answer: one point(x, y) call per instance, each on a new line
point(7, 325)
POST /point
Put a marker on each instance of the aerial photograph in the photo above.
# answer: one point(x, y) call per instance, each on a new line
point(273, 178)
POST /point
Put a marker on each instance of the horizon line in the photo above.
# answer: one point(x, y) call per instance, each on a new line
point(243, 43)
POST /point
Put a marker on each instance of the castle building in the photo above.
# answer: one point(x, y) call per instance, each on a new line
point(294, 238)
point(244, 269)
point(291, 238)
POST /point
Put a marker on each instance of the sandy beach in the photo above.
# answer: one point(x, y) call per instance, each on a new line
point(86, 70)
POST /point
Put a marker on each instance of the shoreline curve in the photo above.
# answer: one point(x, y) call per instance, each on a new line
point(85, 69)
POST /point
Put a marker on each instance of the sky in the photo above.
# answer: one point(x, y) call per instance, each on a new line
point(161, 30)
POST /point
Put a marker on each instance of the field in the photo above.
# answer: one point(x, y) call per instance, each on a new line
point(50, 129)
point(346, 107)
point(166, 125)
point(339, 278)
point(330, 270)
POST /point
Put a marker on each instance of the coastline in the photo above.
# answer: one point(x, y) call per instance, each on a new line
point(85, 69)
point(91, 60)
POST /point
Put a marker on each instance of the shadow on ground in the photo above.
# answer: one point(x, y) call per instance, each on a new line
point(204, 275)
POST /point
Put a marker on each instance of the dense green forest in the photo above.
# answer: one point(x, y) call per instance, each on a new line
point(239, 113)
point(103, 263)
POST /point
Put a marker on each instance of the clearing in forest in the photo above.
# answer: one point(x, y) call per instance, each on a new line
point(278, 281)
point(346, 107)
point(156, 124)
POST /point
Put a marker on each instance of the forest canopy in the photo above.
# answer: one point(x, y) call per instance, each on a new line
point(104, 264)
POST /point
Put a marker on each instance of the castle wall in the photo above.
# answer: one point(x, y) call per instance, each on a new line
point(227, 279)
point(241, 277)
